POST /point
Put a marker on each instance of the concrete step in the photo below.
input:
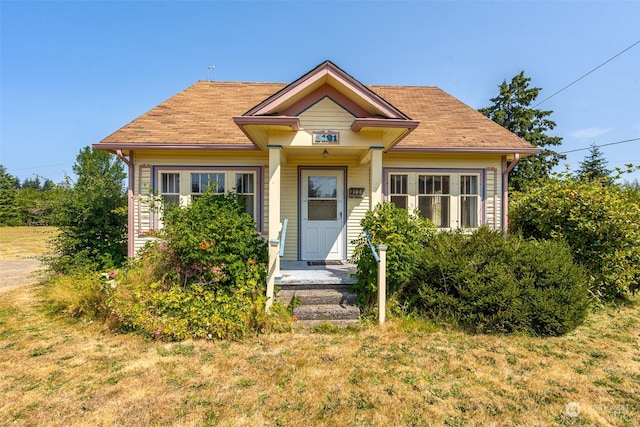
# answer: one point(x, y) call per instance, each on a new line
point(349, 323)
point(317, 296)
point(326, 312)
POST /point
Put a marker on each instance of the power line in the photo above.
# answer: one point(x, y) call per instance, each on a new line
point(601, 145)
point(580, 78)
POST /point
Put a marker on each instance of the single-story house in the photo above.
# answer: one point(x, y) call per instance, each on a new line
point(319, 152)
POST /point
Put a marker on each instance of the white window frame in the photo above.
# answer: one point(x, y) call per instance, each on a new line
point(187, 193)
point(459, 193)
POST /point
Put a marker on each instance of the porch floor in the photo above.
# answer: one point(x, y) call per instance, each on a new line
point(300, 272)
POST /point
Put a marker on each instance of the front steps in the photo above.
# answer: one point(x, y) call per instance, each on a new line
point(318, 303)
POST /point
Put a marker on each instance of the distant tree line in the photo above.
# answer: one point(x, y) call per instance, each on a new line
point(30, 202)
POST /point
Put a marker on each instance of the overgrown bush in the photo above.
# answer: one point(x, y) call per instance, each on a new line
point(487, 283)
point(601, 223)
point(212, 240)
point(205, 279)
point(404, 233)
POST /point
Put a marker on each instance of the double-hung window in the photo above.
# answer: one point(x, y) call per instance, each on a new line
point(398, 190)
point(434, 199)
point(245, 187)
point(448, 200)
point(469, 201)
point(170, 188)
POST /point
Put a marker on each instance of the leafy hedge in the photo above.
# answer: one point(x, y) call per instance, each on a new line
point(481, 281)
point(487, 283)
point(600, 222)
point(404, 233)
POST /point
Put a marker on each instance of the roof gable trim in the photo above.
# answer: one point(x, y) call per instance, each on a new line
point(329, 74)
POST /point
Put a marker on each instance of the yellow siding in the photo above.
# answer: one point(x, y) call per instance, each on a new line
point(289, 209)
point(143, 218)
point(326, 115)
point(358, 175)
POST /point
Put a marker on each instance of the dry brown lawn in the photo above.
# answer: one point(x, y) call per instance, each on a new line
point(54, 371)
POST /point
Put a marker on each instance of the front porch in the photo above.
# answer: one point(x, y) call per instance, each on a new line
point(314, 273)
point(319, 292)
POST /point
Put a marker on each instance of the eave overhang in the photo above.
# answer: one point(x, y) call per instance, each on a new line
point(113, 147)
point(522, 151)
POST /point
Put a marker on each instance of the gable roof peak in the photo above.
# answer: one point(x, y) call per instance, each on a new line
point(327, 75)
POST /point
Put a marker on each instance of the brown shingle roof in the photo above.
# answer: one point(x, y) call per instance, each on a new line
point(203, 114)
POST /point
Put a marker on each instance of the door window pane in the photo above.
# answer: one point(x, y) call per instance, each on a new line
point(323, 210)
point(322, 187)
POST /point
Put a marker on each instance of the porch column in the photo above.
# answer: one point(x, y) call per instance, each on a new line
point(376, 177)
point(274, 220)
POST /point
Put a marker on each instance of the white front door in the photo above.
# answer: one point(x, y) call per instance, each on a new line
point(322, 214)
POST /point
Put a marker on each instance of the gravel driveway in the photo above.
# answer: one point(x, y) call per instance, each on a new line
point(20, 272)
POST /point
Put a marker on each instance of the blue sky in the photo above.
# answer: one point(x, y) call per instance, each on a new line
point(73, 72)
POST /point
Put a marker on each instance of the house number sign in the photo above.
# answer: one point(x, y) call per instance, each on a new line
point(326, 137)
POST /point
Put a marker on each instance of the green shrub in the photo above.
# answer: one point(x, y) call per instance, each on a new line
point(486, 283)
point(212, 240)
point(601, 224)
point(404, 234)
point(205, 279)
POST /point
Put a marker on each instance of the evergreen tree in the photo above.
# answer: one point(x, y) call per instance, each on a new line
point(594, 167)
point(511, 110)
point(9, 185)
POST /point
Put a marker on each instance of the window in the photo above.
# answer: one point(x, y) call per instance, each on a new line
point(448, 200)
point(398, 190)
point(170, 188)
point(469, 201)
point(200, 182)
point(246, 189)
point(433, 199)
point(323, 201)
point(182, 185)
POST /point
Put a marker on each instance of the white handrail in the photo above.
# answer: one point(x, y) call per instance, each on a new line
point(283, 236)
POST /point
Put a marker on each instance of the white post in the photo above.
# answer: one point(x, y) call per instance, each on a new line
point(274, 259)
point(382, 283)
point(274, 209)
point(376, 177)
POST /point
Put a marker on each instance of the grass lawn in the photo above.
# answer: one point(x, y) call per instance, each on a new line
point(54, 371)
point(24, 242)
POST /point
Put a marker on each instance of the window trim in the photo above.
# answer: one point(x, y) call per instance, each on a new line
point(454, 193)
point(156, 172)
